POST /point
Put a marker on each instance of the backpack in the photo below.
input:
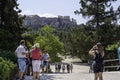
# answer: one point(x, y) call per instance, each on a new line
point(36, 54)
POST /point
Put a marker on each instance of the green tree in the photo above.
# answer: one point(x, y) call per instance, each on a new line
point(10, 24)
point(102, 18)
point(78, 41)
point(48, 41)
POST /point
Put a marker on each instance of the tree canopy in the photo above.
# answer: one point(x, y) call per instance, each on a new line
point(10, 24)
point(49, 42)
point(102, 18)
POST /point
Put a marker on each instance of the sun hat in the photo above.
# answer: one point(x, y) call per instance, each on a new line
point(99, 44)
point(22, 41)
point(33, 46)
point(37, 45)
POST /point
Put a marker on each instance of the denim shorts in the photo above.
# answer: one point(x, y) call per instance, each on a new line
point(22, 64)
point(45, 63)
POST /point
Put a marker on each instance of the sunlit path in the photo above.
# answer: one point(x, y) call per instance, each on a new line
point(80, 72)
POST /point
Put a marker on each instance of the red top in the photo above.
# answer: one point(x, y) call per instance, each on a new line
point(36, 54)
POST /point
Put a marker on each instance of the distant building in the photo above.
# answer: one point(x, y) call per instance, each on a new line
point(35, 22)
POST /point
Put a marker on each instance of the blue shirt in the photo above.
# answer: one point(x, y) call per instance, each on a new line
point(119, 53)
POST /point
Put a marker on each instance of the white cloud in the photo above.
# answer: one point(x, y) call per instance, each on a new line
point(39, 14)
point(26, 13)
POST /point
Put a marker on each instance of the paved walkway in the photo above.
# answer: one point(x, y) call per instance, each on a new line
point(80, 72)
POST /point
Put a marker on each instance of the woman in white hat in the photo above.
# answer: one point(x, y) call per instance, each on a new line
point(36, 60)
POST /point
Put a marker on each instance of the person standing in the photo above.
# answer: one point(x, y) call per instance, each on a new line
point(63, 68)
point(68, 68)
point(21, 52)
point(45, 58)
point(56, 67)
point(98, 53)
point(36, 60)
point(27, 62)
point(59, 67)
point(71, 68)
point(119, 53)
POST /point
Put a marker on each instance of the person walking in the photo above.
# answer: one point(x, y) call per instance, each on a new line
point(59, 67)
point(21, 52)
point(45, 58)
point(63, 68)
point(68, 68)
point(98, 53)
point(36, 61)
point(56, 67)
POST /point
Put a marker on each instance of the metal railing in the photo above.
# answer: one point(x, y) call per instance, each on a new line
point(111, 60)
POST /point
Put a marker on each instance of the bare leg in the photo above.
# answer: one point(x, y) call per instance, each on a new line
point(43, 69)
point(20, 75)
point(46, 69)
point(31, 71)
point(37, 74)
point(96, 76)
point(34, 75)
point(100, 76)
point(26, 70)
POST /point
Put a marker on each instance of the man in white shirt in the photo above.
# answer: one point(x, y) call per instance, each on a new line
point(20, 52)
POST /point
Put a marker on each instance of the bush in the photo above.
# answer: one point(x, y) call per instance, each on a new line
point(56, 59)
point(8, 55)
point(7, 68)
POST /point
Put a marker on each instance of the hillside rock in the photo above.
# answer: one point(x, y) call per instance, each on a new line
point(35, 21)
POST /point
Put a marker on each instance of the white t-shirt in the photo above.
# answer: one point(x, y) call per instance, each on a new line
point(45, 56)
point(19, 51)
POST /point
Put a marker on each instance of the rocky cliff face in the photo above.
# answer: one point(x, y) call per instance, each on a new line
point(35, 22)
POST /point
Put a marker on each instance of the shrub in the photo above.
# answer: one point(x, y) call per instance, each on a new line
point(8, 55)
point(7, 68)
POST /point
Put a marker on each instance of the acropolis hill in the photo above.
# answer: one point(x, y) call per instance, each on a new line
point(35, 21)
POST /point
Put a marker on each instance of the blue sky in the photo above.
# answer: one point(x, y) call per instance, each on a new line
point(53, 8)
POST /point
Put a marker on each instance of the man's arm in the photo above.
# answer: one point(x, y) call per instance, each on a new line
point(48, 57)
point(23, 53)
point(15, 53)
